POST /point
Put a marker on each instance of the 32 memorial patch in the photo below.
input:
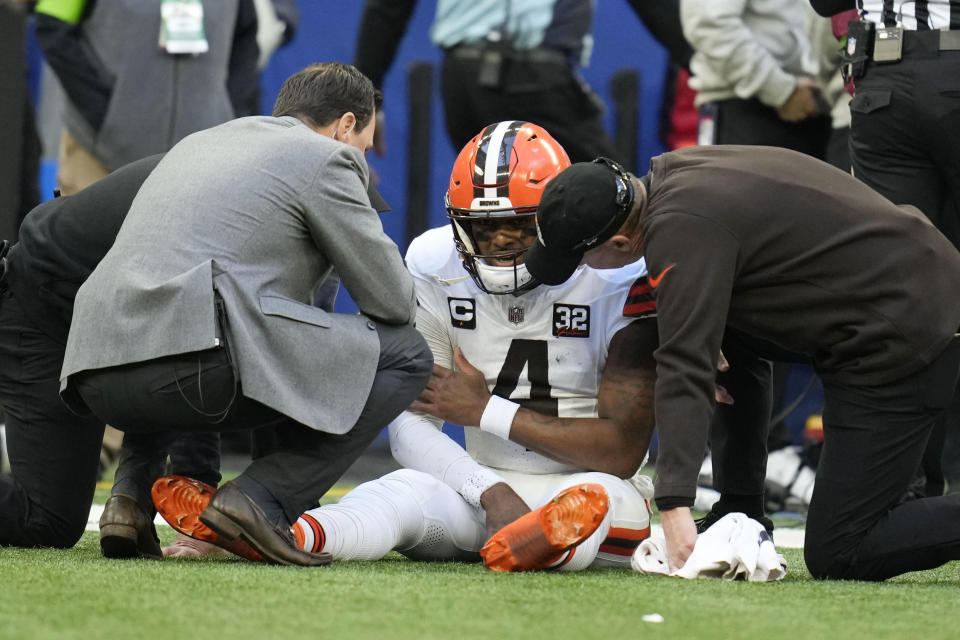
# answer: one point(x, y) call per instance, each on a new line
point(571, 320)
point(463, 312)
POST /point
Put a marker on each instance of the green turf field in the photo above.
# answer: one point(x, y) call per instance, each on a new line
point(79, 594)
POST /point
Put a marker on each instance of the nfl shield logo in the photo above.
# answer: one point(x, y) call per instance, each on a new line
point(515, 315)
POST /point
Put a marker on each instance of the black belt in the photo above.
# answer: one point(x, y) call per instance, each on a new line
point(919, 42)
point(538, 55)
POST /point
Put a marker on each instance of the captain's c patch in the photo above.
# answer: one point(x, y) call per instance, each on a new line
point(463, 312)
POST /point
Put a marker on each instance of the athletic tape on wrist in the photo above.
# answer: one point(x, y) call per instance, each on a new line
point(498, 416)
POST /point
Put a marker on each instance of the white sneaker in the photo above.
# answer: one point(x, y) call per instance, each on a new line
point(705, 477)
point(705, 499)
point(789, 480)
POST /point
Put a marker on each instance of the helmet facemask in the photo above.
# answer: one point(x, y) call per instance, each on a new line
point(471, 230)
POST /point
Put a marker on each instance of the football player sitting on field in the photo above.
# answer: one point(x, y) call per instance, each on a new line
point(552, 384)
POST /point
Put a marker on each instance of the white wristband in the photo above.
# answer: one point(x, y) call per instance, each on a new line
point(498, 416)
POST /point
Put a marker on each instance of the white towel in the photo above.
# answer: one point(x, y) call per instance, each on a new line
point(734, 548)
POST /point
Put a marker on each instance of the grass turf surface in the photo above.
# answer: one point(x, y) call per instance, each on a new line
point(78, 594)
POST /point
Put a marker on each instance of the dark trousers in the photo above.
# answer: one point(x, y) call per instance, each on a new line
point(904, 136)
point(548, 94)
point(738, 437)
point(738, 443)
point(951, 446)
point(54, 454)
point(874, 439)
point(143, 458)
point(741, 432)
point(751, 122)
point(905, 131)
point(200, 392)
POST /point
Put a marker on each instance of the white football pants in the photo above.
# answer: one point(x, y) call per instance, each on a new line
point(424, 519)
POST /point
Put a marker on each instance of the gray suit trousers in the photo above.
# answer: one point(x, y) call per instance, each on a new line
point(152, 401)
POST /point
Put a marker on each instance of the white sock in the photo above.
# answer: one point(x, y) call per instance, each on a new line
point(365, 524)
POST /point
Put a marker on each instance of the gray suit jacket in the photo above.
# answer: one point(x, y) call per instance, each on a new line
point(259, 209)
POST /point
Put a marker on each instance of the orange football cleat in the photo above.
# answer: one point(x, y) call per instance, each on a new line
point(181, 500)
point(539, 538)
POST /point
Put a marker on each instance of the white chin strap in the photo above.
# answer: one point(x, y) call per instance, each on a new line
point(502, 279)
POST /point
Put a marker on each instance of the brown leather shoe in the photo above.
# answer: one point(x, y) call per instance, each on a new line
point(232, 514)
point(126, 531)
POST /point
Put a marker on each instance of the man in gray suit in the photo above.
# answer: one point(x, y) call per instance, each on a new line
point(199, 317)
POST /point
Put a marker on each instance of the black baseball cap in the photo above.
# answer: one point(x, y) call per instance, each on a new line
point(580, 209)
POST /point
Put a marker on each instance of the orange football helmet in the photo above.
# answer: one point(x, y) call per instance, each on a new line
point(497, 180)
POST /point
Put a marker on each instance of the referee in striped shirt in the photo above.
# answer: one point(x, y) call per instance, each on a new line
point(906, 113)
point(905, 134)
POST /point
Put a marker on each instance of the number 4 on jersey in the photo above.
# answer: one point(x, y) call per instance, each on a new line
point(533, 355)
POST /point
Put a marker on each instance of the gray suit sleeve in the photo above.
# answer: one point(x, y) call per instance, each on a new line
point(348, 232)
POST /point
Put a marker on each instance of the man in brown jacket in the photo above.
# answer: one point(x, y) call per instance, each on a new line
point(794, 257)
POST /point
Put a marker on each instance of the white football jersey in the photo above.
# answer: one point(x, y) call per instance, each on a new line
point(545, 349)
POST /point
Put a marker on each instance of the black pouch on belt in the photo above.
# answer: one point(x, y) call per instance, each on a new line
point(494, 58)
point(856, 53)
